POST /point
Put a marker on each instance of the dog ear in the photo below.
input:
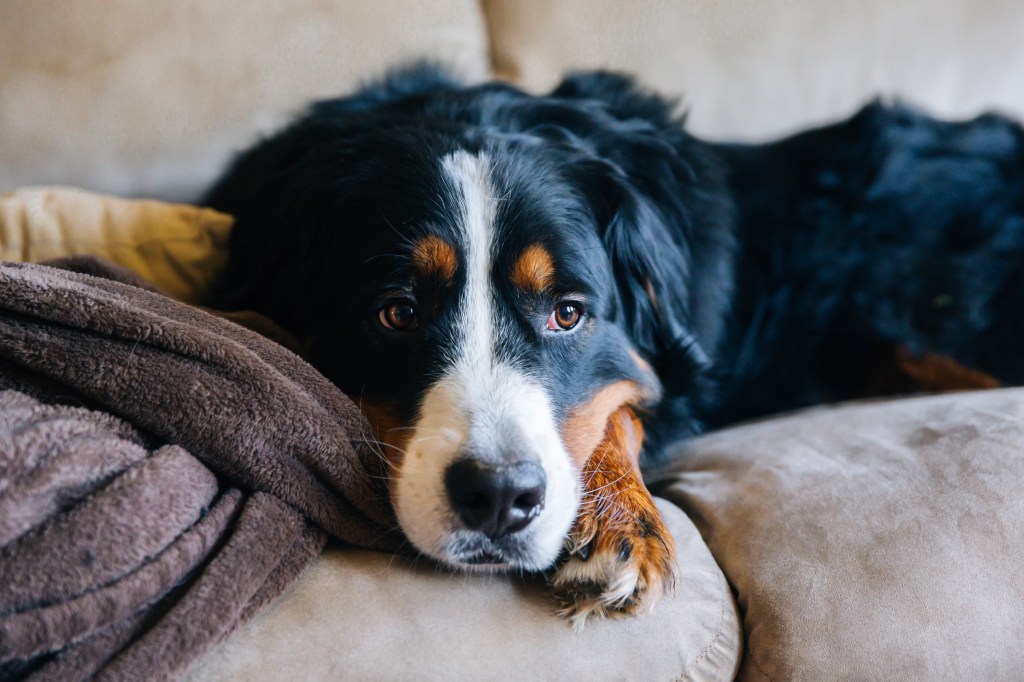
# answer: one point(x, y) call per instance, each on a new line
point(278, 188)
point(661, 203)
point(285, 149)
point(652, 259)
point(284, 195)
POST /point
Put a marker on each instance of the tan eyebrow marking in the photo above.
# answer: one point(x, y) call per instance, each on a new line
point(534, 271)
point(434, 257)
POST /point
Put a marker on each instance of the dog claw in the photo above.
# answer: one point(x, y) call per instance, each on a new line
point(622, 569)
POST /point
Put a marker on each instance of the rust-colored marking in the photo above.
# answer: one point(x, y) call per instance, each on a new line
point(893, 370)
point(585, 426)
point(618, 522)
point(434, 257)
point(939, 373)
point(391, 432)
point(649, 288)
point(534, 271)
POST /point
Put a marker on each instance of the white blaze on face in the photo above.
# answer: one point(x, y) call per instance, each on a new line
point(481, 405)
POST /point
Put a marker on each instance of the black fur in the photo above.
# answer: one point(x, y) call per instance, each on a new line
point(891, 228)
point(753, 278)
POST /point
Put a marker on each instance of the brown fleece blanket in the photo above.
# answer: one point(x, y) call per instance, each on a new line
point(164, 474)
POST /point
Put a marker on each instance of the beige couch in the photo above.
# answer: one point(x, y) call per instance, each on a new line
point(867, 542)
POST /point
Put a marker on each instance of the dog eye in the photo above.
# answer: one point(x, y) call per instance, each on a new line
point(565, 316)
point(399, 316)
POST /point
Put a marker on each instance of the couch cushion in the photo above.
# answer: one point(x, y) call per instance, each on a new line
point(149, 99)
point(178, 248)
point(880, 541)
point(359, 615)
point(750, 68)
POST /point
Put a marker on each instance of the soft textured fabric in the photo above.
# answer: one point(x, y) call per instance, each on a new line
point(870, 542)
point(749, 69)
point(416, 622)
point(150, 99)
point(164, 474)
point(179, 248)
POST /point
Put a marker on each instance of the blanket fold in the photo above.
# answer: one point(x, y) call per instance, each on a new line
point(164, 473)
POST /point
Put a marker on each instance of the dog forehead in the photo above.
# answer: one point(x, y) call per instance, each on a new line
point(547, 233)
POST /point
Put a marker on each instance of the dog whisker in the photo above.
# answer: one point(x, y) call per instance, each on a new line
point(610, 483)
point(375, 448)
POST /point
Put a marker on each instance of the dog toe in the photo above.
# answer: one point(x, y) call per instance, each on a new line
point(615, 569)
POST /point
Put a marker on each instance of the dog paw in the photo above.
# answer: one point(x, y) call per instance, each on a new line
point(620, 562)
point(620, 556)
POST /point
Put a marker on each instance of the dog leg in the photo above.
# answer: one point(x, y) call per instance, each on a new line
point(620, 555)
point(940, 374)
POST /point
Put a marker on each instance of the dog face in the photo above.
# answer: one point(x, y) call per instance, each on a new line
point(470, 267)
point(507, 317)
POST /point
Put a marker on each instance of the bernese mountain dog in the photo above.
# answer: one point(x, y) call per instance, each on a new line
point(532, 296)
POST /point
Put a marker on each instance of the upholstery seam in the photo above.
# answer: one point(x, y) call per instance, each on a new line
point(754, 662)
point(760, 670)
point(714, 640)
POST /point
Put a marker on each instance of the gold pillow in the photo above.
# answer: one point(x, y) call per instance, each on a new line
point(177, 247)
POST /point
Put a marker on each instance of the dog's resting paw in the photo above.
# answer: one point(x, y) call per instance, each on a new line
point(620, 556)
point(615, 568)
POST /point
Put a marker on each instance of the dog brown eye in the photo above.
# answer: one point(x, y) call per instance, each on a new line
point(400, 316)
point(565, 316)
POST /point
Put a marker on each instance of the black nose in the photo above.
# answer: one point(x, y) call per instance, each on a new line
point(496, 499)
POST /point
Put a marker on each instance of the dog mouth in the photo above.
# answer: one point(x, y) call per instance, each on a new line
point(485, 559)
point(477, 552)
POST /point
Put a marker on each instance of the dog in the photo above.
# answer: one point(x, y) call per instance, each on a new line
point(532, 297)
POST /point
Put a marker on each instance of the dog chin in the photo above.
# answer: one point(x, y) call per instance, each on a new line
point(474, 552)
point(484, 561)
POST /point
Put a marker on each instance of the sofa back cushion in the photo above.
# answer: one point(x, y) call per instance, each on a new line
point(750, 69)
point(150, 99)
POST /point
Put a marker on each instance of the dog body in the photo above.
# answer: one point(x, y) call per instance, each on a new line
point(528, 294)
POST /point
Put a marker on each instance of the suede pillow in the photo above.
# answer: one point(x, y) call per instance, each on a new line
point(751, 69)
point(361, 615)
point(870, 542)
point(152, 98)
point(178, 248)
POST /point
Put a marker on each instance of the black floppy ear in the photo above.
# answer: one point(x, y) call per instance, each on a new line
point(292, 180)
point(652, 261)
point(267, 190)
point(285, 149)
point(666, 221)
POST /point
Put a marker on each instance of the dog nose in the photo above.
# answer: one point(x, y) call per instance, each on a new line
point(495, 498)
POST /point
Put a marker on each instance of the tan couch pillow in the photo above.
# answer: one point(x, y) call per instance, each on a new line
point(750, 68)
point(361, 615)
point(875, 542)
point(176, 247)
point(149, 99)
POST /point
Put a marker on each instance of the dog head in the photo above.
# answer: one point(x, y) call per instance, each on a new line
point(490, 275)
